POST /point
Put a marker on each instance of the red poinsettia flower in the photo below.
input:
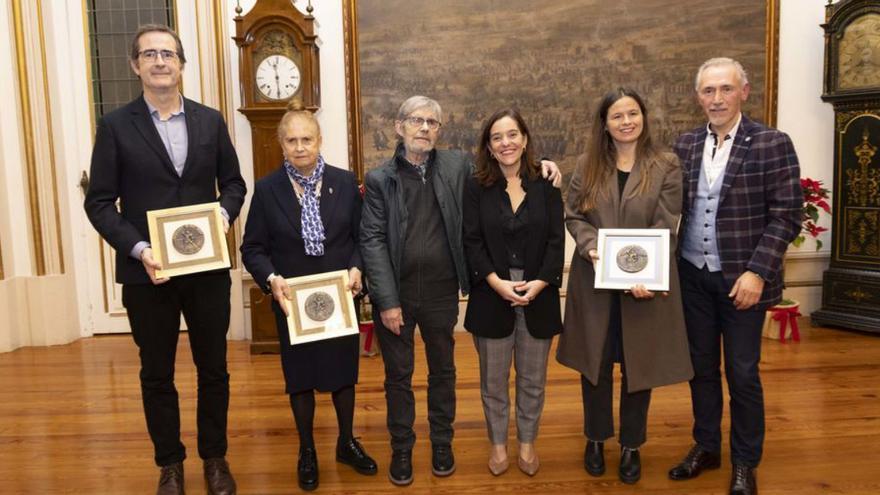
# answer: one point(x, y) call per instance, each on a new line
point(815, 196)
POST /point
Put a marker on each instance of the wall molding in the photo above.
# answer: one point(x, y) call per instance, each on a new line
point(36, 123)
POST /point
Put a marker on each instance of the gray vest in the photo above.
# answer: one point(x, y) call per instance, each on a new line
point(699, 245)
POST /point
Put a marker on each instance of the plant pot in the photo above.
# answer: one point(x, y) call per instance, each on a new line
point(780, 322)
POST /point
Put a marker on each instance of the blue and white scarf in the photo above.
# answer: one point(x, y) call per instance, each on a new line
point(312, 227)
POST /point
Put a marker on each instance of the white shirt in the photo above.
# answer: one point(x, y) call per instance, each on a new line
point(716, 154)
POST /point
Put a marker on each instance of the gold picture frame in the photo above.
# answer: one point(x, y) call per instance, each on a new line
point(188, 239)
point(320, 307)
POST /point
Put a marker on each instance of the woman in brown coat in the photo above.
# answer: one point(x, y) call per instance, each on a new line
point(623, 181)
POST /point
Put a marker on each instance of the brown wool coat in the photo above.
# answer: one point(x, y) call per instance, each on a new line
point(655, 346)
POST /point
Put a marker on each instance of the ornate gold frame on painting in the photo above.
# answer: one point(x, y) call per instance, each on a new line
point(161, 242)
point(353, 88)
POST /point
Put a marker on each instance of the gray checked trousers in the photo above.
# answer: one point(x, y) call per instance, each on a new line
point(530, 357)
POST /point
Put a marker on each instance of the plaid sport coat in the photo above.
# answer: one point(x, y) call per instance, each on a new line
point(759, 210)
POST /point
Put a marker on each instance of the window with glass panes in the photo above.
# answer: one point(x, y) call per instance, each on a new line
point(112, 23)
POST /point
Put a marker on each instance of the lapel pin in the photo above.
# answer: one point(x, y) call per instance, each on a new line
point(330, 189)
point(748, 139)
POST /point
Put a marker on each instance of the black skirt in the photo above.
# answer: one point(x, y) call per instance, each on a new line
point(323, 365)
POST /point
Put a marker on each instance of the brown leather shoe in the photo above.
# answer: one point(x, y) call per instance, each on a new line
point(171, 480)
point(218, 478)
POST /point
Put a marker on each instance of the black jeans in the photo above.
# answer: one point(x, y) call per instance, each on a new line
point(598, 412)
point(711, 319)
point(436, 320)
point(154, 315)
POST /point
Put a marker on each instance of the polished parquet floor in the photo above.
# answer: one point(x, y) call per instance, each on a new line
point(71, 422)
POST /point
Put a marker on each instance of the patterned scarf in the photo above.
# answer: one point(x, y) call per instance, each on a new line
point(312, 227)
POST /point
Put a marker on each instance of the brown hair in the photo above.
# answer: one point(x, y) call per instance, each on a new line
point(601, 157)
point(151, 28)
point(295, 108)
point(488, 171)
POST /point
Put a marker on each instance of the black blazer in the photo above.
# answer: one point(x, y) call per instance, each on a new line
point(130, 163)
point(273, 240)
point(488, 315)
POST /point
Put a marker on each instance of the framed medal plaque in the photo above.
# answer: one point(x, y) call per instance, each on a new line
point(629, 257)
point(188, 239)
point(320, 307)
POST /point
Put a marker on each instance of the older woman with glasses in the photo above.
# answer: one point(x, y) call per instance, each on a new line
point(513, 242)
point(304, 219)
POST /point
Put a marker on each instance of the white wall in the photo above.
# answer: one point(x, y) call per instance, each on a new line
point(810, 123)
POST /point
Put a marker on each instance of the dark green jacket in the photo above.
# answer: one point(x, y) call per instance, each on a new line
point(384, 223)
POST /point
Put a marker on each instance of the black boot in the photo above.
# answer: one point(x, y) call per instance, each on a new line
point(594, 458)
point(307, 469)
point(630, 465)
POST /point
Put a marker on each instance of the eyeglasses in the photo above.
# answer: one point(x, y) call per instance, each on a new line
point(418, 122)
point(151, 55)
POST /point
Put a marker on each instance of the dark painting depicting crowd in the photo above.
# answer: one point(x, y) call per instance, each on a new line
point(551, 59)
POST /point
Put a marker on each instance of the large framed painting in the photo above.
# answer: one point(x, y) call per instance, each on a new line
point(552, 59)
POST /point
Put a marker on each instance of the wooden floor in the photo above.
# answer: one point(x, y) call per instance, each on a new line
point(71, 422)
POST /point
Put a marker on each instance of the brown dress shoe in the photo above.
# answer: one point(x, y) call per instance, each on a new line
point(218, 478)
point(171, 480)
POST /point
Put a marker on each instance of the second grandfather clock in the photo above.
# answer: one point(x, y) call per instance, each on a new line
point(278, 61)
point(851, 285)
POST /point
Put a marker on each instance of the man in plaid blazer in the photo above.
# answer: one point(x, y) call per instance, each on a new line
point(742, 202)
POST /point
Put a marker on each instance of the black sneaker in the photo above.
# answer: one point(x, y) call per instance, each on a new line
point(353, 454)
point(442, 460)
point(400, 473)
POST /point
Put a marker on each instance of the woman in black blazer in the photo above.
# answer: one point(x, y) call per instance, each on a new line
point(304, 219)
point(513, 241)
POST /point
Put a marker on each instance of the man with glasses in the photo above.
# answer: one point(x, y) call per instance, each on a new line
point(160, 151)
point(411, 245)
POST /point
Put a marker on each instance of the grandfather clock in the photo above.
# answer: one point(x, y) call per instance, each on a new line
point(278, 61)
point(851, 285)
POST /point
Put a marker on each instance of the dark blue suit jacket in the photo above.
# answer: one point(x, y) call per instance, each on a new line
point(273, 240)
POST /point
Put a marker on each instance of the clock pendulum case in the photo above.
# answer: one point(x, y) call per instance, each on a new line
point(278, 61)
point(851, 285)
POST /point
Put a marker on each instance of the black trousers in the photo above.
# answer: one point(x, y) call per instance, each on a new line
point(154, 315)
point(598, 411)
point(711, 319)
point(436, 320)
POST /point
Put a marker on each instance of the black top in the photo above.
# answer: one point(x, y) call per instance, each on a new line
point(427, 269)
point(514, 227)
point(621, 181)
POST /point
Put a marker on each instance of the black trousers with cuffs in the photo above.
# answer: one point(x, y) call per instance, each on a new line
point(598, 411)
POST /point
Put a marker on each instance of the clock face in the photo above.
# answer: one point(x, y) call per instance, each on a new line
point(278, 77)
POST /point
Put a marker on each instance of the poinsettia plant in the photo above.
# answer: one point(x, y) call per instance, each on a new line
point(815, 198)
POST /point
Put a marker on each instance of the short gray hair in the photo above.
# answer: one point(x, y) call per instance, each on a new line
point(719, 61)
point(414, 103)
